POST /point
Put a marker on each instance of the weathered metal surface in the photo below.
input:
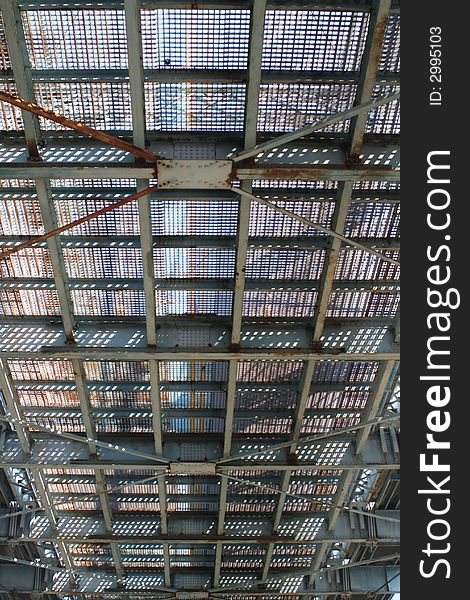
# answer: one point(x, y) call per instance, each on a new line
point(356, 172)
point(89, 217)
point(194, 468)
point(198, 174)
point(76, 126)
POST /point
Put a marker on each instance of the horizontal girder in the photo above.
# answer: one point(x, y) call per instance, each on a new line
point(200, 76)
point(381, 151)
point(338, 172)
point(196, 284)
point(352, 580)
point(52, 452)
point(344, 341)
point(350, 5)
point(92, 530)
point(129, 241)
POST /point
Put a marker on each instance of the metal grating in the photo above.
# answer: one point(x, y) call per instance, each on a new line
point(390, 57)
point(264, 332)
point(190, 217)
point(286, 107)
point(384, 119)
point(314, 40)
point(265, 222)
point(194, 262)
point(76, 39)
point(189, 39)
point(10, 116)
point(102, 105)
point(194, 106)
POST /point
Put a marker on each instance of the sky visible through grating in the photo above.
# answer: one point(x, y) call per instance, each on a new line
point(195, 64)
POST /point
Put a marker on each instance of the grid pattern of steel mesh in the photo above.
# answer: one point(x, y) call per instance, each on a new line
point(314, 40)
point(196, 69)
point(286, 107)
point(189, 39)
point(194, 106)
point(390, 57)
point(4, 53)
point(10, 116)
point(103, 106)
point(76, 39)
point(385, 118)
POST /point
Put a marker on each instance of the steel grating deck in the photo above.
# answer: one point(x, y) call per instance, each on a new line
point(200, 388)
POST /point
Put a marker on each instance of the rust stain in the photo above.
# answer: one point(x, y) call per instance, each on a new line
point(233, 174)
point(84, 219)
point(379, 33)
point(78, 127)
point(228, 180)
point(324, 173)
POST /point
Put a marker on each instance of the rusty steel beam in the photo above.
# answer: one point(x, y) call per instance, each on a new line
point(369, 70)
point(309, 129)
point(73, 224)
point(344, 172)
point(77, 126)
point(196, 175)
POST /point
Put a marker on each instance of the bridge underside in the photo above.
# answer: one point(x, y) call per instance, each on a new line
point(199, 386)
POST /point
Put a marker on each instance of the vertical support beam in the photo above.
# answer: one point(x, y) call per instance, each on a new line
point(270, 551)
point(218, 561)
point(230, 406)
point(137, 92)
point(244, 207)
point(47, 501)
point(304, 391)
point(255, 59)
point(158, 443)
point(108, 520)
point(396, 327)
point(22, 71)
point(373, 403)
point(146, 243)
point(162, 501)
point(13, 404)
point(48, 504)
point(305, 384)
point(104, 499)
point(369, 67)
point(46, 205)
point(229, 412)
point(344, 485)
point(251, 117)
point(90, 429)
point(85, 405)
point(155, 398)
point(331, 258)
point(136, 72)
point(320, 550)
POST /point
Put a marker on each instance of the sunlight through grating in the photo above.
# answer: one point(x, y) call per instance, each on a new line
point(194, 266)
